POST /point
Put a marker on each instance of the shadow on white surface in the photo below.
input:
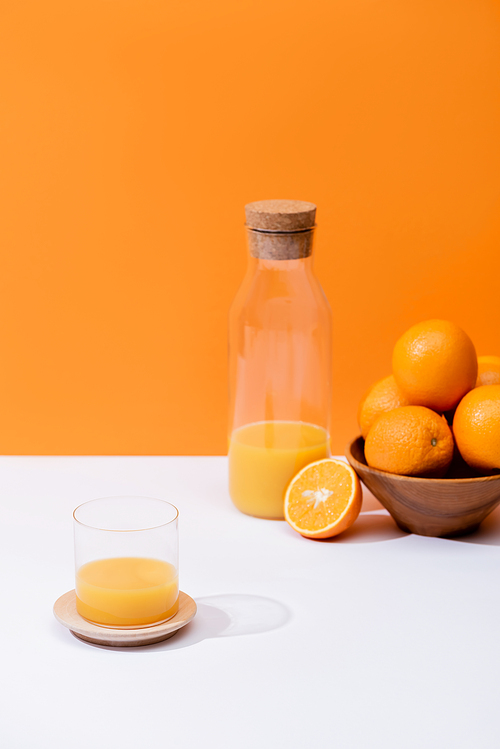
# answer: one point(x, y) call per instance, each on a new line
point(225, 615)
point(370, 528)
point(249, 615)
point(488, 533)
point(229, 615)
point(370, 503)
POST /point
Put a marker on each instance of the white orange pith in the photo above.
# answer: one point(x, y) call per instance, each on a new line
point(323, 499)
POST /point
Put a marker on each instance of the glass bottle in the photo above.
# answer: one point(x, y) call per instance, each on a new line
point(279, 359)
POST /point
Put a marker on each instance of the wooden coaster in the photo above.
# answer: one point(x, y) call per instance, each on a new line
point(66, 613)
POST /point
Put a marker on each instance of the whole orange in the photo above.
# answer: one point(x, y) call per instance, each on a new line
point(383, 396)
point(410, 441)
point(476, 427)
point(435, 364)
point(488, 370)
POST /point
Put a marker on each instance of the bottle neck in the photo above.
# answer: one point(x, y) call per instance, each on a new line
point(278, 247)
point(300, 265)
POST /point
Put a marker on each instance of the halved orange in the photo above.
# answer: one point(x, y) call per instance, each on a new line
point(323, 499)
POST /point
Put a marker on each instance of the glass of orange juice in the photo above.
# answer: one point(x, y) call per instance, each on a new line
point(126, 561)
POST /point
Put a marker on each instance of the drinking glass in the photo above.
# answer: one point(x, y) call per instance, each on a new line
point(126, 561)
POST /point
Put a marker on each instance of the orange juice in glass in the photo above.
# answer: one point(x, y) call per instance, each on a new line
point(126, 561)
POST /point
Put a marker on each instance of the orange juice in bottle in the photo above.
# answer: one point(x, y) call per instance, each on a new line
point(279, 359)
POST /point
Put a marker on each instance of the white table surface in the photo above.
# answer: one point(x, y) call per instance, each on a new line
point(374, 639)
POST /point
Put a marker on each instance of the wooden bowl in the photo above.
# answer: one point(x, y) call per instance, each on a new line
point(428, 507)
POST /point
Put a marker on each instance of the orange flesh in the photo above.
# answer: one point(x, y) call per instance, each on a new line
point(319, 497)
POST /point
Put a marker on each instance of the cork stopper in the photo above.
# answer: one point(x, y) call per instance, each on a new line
point(280, 215)
point(280, 229)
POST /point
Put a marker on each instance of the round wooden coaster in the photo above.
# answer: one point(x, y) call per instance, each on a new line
point(66, 613)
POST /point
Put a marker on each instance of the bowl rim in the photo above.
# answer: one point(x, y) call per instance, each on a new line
point(414, 479)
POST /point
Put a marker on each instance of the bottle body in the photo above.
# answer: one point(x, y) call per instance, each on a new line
point(279, 380)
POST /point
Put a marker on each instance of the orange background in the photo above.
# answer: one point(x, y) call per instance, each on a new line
point(132, 133)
